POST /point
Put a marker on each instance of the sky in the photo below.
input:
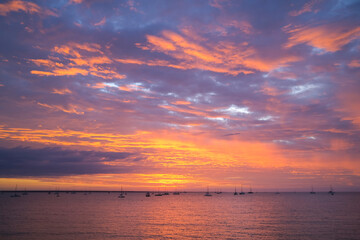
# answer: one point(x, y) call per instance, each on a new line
point(182, 95)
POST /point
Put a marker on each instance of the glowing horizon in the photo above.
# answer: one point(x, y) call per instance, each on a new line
point(180, 95)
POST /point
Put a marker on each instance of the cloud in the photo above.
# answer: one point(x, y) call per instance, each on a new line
point(70, 109)
point(354, 64)
point(330, 37)
point(194, 53)
point(16, 6)
point(308, 7)
point(77, 59)
point(28, 7)
point(61, 91)
point(101, 22)
point(76, 1)
point(55, 161)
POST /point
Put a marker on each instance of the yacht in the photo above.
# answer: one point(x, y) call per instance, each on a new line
point(312, 190)
point(250, 192)
point(147, 194)
point(122, 194)
point(242, 192)
point(15, 193)
point(331, 191)
point(235, 193)
point(207, 194)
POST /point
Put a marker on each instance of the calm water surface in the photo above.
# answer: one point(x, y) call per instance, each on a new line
point(188, 216)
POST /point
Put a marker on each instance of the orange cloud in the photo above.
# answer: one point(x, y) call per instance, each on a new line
point(306, 8)
point(193, 52)
point(101, 22)
point(70, 109)
point(29, 7)
point(170, 153)
point(61, 91)
point(17, 5)
point(88, 56)
point(181, 103)
point(76, 1)
point(61, 72)
point(329, 37)
point(354, 64)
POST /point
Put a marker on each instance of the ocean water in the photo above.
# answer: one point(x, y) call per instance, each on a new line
point(101, 215)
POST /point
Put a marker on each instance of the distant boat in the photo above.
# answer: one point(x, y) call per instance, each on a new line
point(250, 192)
point(312, 190)
point(176, 193)
point(25, 192)
point(158, 194)
point(331, 191)
point(235, 193)
point(147, 194)
point(207, 194)
point(242, 192)
point(122, 195)
point(15, 193)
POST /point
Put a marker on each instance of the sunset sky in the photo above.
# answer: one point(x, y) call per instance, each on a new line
point(154, 94)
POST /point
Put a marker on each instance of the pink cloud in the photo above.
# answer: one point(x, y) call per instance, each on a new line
point(101, 22)
point(329, 37)
point(308, 7)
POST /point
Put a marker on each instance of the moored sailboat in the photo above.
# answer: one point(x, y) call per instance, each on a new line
point(242, 192)
point(15, 193)
point(250, 192)
point(122, 194)
point(207, 194)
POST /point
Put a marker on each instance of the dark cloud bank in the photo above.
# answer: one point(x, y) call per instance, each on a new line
point(54, 161)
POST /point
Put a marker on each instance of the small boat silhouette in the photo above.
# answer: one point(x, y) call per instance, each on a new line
point(235, 193)
point(122, 194)
point(312, 190)
point(15, 193)
point(242, 192)
point(250, 192)
point(207, 194)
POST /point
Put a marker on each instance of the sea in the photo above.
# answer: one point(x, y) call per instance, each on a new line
point(102, 215)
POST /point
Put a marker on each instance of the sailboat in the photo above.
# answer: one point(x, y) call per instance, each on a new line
point(25, 192)
point(57, 193)
point(312, 190)
point(15, 193)
point(235, 193)
point(158, 194)
point(122, 195)
point(147, 194)
point(207, 194)
point(250, 192)
point(242, 192)
point(331, 191)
